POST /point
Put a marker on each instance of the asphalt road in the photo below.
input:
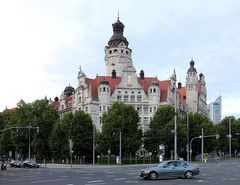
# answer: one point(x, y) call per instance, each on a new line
point(213, 173)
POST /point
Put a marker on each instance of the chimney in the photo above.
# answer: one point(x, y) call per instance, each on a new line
point(141, 75)
point(179, 85)
point(114, 74)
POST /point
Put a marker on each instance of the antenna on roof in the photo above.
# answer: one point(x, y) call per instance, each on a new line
point(118, 15)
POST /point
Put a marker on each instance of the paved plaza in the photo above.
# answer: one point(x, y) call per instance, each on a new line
point(214, 173)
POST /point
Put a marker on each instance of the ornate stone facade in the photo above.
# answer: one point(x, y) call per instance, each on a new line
point(146, 94)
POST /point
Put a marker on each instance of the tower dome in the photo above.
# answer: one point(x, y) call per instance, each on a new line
point(117, 37)
point(192, 68)
point(69, 90)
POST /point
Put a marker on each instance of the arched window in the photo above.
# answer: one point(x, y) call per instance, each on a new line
point(150, 90)
point(110, 52)
point(127, 52)
point(104, 89)
point(115, 50)
point(154, 90)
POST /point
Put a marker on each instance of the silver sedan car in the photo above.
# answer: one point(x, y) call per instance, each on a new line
point(170, 169)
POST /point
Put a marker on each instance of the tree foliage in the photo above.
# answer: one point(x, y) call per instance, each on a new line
point(39, 113)
point(77, 127)
point(124, 118)
point(223, 130)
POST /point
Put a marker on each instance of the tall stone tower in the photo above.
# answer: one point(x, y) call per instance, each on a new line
point(117, 53)
point(192, 88)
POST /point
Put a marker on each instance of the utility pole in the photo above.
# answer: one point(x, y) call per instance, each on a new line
point(120, 147)
point(202, 145)
point(175, 125)
point(230, 138)
point(187, 137)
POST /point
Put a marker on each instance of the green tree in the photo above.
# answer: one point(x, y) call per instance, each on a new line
point(39, 113)
point(198, 121)
point(124, 118)
point(160, 129)
point(77, 127)
point(162, 125)
point(223, 129)
point(7, 118)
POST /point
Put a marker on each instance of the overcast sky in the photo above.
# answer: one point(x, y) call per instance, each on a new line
point(43, 43)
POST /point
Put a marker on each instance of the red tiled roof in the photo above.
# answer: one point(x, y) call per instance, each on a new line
point(93, 83)
point(164, 85)
point(182, 93)
point(21, 102)
point(145, 83)
point(56, 103)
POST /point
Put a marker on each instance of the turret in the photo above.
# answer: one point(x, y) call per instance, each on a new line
point(104, 92)
point(192, 88)
point(117, 53)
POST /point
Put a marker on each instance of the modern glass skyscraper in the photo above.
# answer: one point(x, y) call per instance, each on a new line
point(215, 110)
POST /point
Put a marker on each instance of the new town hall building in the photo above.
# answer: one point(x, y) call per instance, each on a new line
point(122, 83)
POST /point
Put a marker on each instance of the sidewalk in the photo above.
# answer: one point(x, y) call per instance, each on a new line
point(89, 166)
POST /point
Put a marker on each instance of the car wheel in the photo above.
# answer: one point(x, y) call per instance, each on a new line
point(188, 174)
point(153, 175)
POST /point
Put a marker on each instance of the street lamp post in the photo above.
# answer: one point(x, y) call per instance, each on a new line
point(29, 127)
point(175, 125)
point(120, 147)
point(29, 143)
point(202, 145)
point(191, 146)
point(202, 137)
point(187, 137)
point(94, 136)
point(230, 138)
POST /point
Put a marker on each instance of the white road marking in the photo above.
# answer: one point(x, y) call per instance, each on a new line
point(97, 181)
point(132, 182)
point(50, 180)
point(118, 179)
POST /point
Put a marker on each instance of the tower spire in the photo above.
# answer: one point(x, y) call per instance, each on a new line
point(118, 15)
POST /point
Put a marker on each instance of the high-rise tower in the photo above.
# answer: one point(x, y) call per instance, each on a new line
point(117, 53)
point(192, 88)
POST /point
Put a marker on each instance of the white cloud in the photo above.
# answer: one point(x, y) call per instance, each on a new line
point(42, 43)
point(231, 104)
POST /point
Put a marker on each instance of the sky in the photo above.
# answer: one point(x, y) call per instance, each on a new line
point(43, 43)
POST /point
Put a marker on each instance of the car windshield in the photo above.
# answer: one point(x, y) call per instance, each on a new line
point(162, 164)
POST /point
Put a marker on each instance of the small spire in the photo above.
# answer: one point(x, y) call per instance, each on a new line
point(174, 76)
point(118, 15)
